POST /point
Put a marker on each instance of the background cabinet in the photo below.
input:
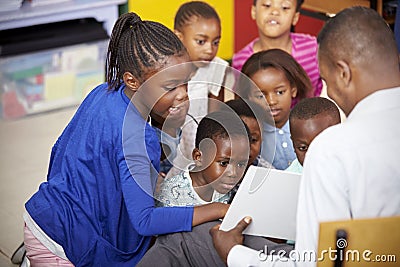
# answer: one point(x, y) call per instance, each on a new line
point(51, 56)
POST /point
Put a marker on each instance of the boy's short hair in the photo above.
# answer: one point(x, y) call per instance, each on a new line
point(308, 108)
point(194, 8)
point(220, 124)
point(245, 108)
point(298, 4)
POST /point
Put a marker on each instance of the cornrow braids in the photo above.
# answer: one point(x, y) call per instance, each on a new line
point(139, 47)
point(195, 8)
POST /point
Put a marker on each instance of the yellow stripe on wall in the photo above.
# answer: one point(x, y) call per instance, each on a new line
point(163, 11)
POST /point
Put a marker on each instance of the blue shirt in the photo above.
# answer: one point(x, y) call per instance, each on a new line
point(295, 167)
point(98, 201)
point(277, 146)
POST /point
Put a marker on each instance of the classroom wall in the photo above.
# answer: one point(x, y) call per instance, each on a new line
point(245, 27)
point(238, 28)
point(164, 12)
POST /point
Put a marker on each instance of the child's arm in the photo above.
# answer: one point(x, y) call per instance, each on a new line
point(137, 185)
point(209, 212)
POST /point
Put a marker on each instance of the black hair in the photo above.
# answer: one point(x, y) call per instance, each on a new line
point(139, 47)
point(298, 4)
point(246, 108)
point(308, 108)
point(280, 60)
point(194, 8)
point(358, 34)
point(221, 124)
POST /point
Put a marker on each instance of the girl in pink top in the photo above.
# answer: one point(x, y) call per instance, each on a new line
point(274, 19)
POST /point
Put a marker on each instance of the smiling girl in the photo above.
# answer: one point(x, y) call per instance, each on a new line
point(96, 207)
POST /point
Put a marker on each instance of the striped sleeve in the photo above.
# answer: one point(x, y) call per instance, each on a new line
point(304, 50)
point(240, 57)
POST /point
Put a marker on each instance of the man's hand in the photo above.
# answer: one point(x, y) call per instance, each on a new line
point(225, 241)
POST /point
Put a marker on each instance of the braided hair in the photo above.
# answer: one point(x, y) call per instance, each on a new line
point(139, 47)
point(194, 8)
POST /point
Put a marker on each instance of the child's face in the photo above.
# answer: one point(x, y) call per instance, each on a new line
point(303, 132)
point(256, 138)
point(275, 88)
point(226, 169)
point(274, 18)
point(165, 93)
point(201, 38)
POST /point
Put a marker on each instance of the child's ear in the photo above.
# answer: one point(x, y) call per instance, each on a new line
point(197, 157)
point(293, 92)
point(295, 18)
point(131, 81)
point(179, 34)
point(344, 72)
point(253, 12)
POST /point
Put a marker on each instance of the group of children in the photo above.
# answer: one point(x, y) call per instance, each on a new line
point(97, 205)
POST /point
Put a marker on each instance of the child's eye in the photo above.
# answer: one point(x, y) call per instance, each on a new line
point(224, 163)
point(170, 88)
point(280, 92)
point(216, 43)
point(200, 42)
point(259, 96)
point(254, 140)
point(242, 164)
point(303, 148)
point(286, 7)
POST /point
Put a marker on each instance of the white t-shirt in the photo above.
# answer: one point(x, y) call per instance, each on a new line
point(351, 171)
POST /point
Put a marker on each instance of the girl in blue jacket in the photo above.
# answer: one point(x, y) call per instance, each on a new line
point(96, 207)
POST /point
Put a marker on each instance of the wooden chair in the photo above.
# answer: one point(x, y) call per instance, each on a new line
point(360, 242)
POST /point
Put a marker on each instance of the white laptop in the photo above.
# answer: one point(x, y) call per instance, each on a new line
point(270, 197)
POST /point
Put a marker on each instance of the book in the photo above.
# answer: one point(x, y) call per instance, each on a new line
point(270, 198)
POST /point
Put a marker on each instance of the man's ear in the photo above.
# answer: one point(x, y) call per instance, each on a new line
point(131, 81)
point(295, 18)
point(179, 34)
point(253, 12)
point(345, 74)
point(197, 157)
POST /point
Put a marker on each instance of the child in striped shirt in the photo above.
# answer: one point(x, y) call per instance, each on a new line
point(274, 19)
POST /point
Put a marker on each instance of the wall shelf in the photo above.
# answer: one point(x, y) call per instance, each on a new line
point(105, 11)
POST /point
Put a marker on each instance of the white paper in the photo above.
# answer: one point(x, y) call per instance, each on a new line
point(270, 198)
